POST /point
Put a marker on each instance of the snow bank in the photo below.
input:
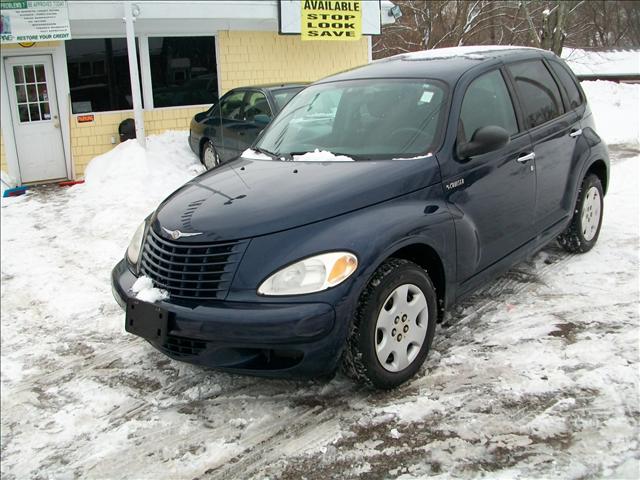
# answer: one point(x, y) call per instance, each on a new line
point(321, 156)
point(615, 62)
point(167, 161)
point(616, 109)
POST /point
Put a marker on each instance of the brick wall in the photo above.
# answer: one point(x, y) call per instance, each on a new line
point(249, 58)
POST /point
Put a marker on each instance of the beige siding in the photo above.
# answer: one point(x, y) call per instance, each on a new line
point(248, 58)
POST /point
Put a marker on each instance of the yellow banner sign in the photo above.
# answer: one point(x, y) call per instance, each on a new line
point(331, 20)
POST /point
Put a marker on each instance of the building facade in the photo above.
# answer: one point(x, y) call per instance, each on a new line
point(62, 101)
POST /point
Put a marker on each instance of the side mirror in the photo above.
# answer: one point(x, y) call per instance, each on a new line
point(262, 119)
point(201, 116)
point(484, 140)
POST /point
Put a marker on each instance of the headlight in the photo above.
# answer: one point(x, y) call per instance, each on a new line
point(133, 252)
point(312, 274)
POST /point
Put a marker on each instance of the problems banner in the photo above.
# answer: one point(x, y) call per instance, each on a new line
point(34, 21)
point(331, 20)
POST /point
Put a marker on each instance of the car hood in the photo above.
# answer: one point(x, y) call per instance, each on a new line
point(246, 197)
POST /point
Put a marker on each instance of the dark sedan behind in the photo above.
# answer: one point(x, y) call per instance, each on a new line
point(231, 125)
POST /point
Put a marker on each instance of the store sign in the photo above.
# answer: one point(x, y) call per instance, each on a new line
point(331, 20)
point(34, 21)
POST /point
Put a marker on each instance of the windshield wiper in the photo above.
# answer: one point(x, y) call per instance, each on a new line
point(266, 152)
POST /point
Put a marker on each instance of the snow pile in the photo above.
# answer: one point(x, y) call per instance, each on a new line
point(321, 156)
point(128, 167)
point(145, 291)
point(612, 62)
point(616, 109)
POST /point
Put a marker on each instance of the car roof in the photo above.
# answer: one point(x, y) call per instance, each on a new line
point(446, 64)
point(274, 86)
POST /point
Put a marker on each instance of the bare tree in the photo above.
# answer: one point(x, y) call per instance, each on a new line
point(544, 24)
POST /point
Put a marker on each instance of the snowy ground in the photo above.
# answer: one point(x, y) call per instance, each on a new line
point(534, 376)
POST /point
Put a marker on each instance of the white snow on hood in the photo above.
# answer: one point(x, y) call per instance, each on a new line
point(321, 156)
point(254, 155)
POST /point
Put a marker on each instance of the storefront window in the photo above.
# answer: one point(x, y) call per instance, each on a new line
point(99, 75)
point(183, 71)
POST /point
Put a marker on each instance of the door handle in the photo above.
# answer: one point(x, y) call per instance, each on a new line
point(575, 133)
point(525, 157)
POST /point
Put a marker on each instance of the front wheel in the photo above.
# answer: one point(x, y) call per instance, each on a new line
point(394, 326)
point(209, 158)
point(583, 231)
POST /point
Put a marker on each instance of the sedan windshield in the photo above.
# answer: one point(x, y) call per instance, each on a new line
point(361, 119)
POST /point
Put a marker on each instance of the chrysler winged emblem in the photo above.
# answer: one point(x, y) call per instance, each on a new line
point(176, 234)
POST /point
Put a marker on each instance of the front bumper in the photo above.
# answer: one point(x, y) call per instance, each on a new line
point(270, 339)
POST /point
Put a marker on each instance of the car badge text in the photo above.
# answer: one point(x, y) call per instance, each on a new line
point(457, 183)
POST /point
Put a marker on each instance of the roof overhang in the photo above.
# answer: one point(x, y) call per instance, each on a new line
point(91, 18)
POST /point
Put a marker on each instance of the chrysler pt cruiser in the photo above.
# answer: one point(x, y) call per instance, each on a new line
point(454, 165)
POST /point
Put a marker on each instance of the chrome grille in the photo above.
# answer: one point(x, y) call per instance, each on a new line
point(201, 271)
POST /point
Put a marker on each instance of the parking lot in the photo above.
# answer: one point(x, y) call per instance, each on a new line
point(535, 375)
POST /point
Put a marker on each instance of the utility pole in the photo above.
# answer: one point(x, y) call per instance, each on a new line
point(134, 75)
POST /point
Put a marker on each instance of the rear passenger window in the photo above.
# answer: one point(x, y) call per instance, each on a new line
point(569, 84)
point(538, 92)
point(486, 102)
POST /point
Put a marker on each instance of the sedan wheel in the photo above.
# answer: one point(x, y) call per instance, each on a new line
point(210, 158)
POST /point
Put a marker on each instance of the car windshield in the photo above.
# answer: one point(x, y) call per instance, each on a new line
point(283, 97)
point(361, 119)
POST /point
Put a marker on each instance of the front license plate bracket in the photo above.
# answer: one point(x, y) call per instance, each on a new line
point(147, 320)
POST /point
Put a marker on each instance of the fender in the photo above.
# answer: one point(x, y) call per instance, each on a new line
point(373, 234)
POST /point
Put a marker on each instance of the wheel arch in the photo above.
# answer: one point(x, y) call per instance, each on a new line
point(428, 258)
point(203, 141)
point(600, 170)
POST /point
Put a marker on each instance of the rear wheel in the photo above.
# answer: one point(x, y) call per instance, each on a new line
point(209, 157)
point(394, 326)
point(583, 231)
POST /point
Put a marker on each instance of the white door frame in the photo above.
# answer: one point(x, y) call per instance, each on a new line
point(61, 79)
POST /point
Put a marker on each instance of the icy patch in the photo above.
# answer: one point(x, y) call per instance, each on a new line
point(410, 412)
point(253, 155)
point(145, 291)
point(321, 156)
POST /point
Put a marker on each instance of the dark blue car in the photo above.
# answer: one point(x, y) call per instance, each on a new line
point(375, 200)
point(232, 124)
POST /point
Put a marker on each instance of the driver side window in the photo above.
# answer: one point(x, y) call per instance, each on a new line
point(486, 102)
point(231, 106)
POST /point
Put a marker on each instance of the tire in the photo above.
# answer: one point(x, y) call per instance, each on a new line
point(369, 339)
point(583, 231)
point(209, 156)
